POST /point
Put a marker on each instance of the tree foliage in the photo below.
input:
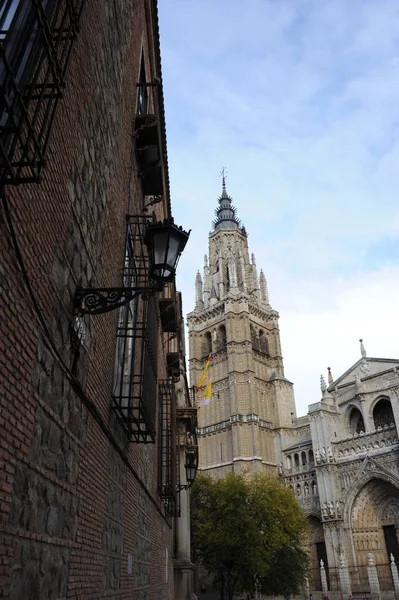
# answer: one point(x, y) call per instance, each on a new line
point(248, 532)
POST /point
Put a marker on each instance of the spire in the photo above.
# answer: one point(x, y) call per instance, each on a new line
point(199, 303)
point(362, 349)
point(264, 295)
point(226, 213)
point(330, 377)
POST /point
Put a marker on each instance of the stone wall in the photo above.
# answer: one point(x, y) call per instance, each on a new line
point(78, 505)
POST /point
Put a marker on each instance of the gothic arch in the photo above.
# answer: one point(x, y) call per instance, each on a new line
point(263, 342)
point(254, 339)
point(317, 551)
point(221, 337)
point(370, 472)
point(207, 344)
point(381, 412)
point(355, 420)
point(374, 522)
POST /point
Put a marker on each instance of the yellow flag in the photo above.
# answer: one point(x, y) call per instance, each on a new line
point(207, 395)
point(202, 380)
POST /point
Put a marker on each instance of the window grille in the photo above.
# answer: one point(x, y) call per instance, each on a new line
point(167, 455)
point(135, 378)
point(36, 39)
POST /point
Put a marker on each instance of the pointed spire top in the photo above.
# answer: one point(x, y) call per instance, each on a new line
point(323, 385)
point(330, 377)
point(198, 278)
point(222, 174)
point(362, 349)
point(226, 217)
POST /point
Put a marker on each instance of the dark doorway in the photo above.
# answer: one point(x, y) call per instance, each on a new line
point(391, 542)
point(322, 555)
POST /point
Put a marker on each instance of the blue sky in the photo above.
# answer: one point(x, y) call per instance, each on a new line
point(300, 100)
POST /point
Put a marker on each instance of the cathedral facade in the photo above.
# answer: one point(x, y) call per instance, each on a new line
point(341, 459)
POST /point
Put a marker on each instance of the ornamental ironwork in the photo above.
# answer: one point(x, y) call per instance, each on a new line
point(135, 378)
point(36, 39)
point(167, 455)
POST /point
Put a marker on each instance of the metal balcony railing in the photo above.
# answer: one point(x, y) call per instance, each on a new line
point(135, 379)
point(147, 134)
point(36, 39)
point(167, 455)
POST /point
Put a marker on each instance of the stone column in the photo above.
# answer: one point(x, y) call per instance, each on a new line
point(395, 576)
point(344, 576)
point(373, 577)
point(323, 578)
point(183, 567)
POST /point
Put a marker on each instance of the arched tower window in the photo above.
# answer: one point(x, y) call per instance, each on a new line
point(311, 457)
point(263, 342)
point(296, 460)
point(221, 338)
point(382, 413)
point(303, 458)
point(289, 461)
point(207, 344)
point(254, 340)
point(356, 423)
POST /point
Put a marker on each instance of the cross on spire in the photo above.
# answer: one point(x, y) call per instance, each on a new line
point(223, 174)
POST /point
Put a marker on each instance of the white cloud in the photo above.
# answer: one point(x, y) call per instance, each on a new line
point(301, 101)
point(365, 306)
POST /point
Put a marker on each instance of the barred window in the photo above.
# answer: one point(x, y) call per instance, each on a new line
point(135, 373)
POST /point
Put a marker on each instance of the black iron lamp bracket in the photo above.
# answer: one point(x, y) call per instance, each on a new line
point(180, 487)
point(96, 301)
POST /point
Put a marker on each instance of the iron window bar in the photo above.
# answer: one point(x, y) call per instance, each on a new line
point(36, 40)
point(167, 451)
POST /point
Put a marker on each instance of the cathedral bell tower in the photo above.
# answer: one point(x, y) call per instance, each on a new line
point(234, 323)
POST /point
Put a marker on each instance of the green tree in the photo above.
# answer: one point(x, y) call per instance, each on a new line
point(244, 529)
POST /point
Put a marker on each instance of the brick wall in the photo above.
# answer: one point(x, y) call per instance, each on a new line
point(77, 504)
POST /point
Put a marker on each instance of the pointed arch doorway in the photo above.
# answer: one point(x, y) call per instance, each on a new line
point(375, 528)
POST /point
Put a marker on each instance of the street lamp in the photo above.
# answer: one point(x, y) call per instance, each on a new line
point(191, 466)
point(165, 242)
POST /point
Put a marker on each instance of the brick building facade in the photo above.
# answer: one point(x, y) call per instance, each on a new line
point(92, 442)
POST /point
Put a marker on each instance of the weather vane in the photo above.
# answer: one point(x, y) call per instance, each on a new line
point(223, 172)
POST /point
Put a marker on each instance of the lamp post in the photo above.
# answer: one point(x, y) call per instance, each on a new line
point(165, 242)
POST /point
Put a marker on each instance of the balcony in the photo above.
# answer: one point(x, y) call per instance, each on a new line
point(147, 135)
point(369, 442)
point(168, 313)
point(36, 39)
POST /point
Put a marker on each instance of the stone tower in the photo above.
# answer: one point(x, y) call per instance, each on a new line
point(233, 321)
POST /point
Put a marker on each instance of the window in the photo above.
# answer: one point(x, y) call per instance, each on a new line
point(207, 344)
point(167, 457)
point(124, 354)
point(356, 423)
point(36, 40)
point(135, 374)
point(263, 342)
point(142, 91)
point(221, 338)
point(382, 413)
